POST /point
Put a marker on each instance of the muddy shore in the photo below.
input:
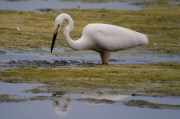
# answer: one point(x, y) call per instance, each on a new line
point(45, 63)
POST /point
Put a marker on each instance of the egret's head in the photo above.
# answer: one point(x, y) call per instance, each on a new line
point(57, 24)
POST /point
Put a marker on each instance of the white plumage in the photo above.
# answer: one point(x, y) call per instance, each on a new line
point(103, 38)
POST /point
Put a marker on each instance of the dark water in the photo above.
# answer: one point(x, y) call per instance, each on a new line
point(33, 5)
point(75, 109)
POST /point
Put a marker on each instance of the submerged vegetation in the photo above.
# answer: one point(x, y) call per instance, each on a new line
point(8, 98)
point(145, 104)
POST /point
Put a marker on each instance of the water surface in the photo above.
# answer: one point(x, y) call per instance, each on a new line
point(16, 89)
point(33, 5)
point(91, 56)
point(68, 107)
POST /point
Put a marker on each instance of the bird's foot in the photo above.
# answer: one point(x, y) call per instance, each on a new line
point(104, 63)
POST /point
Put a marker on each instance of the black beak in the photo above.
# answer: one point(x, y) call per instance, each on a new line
point(53, 40)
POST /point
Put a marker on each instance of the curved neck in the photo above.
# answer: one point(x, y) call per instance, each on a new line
point(70, 25)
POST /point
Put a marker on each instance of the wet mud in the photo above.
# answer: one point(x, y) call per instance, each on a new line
point(12, 59)
point(45, 63)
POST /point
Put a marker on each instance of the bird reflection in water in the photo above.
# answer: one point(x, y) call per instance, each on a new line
point(92, 98)
point(62, 110)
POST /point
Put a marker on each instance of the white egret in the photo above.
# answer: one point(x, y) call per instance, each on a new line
point(103, 38)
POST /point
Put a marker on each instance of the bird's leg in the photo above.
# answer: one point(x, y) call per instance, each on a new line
point(105, 57)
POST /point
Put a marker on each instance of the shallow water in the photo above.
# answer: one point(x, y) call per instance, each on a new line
point(70, 107)
point(88, 56)
point(11, 59)
point(81, 110)
point(48, 5)
point(16, 89)
point(34, 5)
